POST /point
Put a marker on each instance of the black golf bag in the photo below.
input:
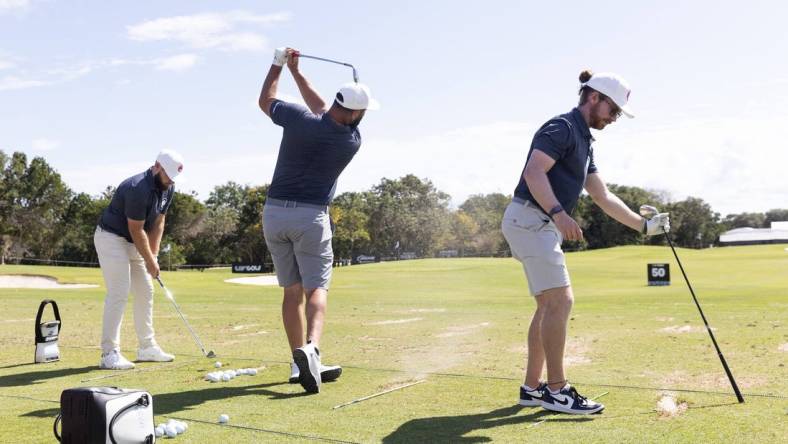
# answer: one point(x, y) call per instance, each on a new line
point(47, 334)
point(103, 415)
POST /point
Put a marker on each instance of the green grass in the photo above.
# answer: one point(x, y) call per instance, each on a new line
point(468, 343)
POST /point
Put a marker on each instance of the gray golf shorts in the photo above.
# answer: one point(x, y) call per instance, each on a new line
point(299, 240)
point(536, 242)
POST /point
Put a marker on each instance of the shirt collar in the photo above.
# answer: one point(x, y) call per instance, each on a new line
point(581, 123)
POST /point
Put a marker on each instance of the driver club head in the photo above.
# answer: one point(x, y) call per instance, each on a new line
point(648, 211)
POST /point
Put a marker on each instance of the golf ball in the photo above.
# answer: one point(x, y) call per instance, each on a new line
point(159, 431)
point(223, 419)
point(232, 373)
point(226, 377)
point(252, 371)
point(241, 371)
point(218, 364)
point(171, 431)
point(179, 427)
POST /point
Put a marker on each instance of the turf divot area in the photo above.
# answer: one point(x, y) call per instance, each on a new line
point(468, 345)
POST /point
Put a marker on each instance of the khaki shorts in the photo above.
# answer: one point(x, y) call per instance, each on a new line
point(299, 240)
point(536, 242)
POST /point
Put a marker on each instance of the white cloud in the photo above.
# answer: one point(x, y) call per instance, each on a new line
point(13, 82)
point(5, 64)
point(13, 5)
point(180, 62)
point(207, 31)
point(44, 144)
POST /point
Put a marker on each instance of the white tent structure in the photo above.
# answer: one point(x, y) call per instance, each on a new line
point(776, 234)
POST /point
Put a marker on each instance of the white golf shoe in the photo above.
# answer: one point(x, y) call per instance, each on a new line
point(115, 361)
point(154, 353)
point(328, 373)
point(307, 358)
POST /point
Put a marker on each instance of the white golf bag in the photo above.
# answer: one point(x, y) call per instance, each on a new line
point(104, 415)
point(47, 334)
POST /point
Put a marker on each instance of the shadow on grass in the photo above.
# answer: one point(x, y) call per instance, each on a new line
point(451, 429)
point(167, 403)
point(36, 377)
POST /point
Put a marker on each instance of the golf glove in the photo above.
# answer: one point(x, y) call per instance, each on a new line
point(656, 224)
point(280, 56)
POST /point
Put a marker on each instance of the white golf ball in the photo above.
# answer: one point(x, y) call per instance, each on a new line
point(218, 364)
point(185, 426)
point(179, 427)
point(232, 373)
point(241, 371)
point(224, 419)
point(252, 371)
point(171, 431)
point(159, 431)
point(226, 377)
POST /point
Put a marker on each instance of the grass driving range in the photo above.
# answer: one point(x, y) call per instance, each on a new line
point(458, 324)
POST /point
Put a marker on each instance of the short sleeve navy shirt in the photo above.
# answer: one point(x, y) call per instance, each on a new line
point(567, 140)
point(314, 151)
point(137, 198)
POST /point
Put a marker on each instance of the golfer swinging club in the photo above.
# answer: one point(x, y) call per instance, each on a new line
point(317, 144)
point(560, 164)
point(127, 241)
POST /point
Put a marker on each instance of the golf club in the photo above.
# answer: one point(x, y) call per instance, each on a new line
point(648, 212)
point(355, 73)
point(209, 354)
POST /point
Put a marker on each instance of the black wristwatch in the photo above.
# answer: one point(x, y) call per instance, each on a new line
point(555, 210)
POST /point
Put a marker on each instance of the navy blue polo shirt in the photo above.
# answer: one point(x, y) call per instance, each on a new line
point(314, 151)
point(566, 139)
point(137, 198)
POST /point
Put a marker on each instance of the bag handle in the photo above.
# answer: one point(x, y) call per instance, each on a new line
point(142, 401)
point(41, 307)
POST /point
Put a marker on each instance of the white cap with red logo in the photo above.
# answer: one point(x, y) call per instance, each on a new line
point(172, 163)
point(613, 86)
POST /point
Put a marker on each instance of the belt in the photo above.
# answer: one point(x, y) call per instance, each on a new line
point(527, 203)
point(293, 204)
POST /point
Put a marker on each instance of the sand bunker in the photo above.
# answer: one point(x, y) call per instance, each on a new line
point(254, 280)
point(38, 282)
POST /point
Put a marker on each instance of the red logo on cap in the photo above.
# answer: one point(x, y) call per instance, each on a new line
point(180, 168)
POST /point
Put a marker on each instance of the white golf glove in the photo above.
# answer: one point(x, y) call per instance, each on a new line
point(656, 224)
point(280, 56)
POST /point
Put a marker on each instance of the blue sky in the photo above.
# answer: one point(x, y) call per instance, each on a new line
point(98, 88)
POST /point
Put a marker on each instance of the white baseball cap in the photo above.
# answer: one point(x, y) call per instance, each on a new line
point(172, 163)
point(613, 86)
point(356, 96)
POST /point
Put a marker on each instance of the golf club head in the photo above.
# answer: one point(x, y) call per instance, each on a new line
point(210, 354)
point(648, 211)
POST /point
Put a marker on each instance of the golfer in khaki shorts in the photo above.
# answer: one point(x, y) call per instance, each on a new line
point(560, 164)
point(318, 142)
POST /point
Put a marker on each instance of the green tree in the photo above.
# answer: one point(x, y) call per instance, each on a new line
point(776, 215)
point(486, 210)
point(752, 220)
point(409, 211)
point(349, 212)
point(693, 224)
point(601, 230)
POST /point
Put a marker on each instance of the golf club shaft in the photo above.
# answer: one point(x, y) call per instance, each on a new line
point(178, 309)
point(355, 74)
point(713, 340)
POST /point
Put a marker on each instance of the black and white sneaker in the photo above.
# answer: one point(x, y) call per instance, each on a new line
point(328, 373)
point(567, 400)
point(531, 397)
point(307, 358)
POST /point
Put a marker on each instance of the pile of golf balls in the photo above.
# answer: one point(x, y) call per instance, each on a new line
point(171, 428)
point(228, 375)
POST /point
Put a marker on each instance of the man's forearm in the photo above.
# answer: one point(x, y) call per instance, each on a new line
point(614, 207)
point(539, 186)
point(154, 239)
point(313, 100)
point(270, 85)
point(142, 243)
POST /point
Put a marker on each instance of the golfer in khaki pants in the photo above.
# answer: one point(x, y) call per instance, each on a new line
point(127, 241)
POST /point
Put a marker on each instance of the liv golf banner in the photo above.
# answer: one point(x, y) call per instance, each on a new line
point(247, 268)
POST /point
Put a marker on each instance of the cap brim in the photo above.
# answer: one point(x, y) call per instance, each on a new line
point(373, 104)
point(627, 112)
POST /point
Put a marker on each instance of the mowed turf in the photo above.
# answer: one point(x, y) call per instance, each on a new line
point(458, 324)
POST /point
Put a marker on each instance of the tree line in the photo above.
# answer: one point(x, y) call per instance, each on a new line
point(41, 217)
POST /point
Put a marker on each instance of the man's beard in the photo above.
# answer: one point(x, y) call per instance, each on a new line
point(160, 183)
point(596, 121)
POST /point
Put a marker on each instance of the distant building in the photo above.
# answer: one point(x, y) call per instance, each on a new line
point(776, 234)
